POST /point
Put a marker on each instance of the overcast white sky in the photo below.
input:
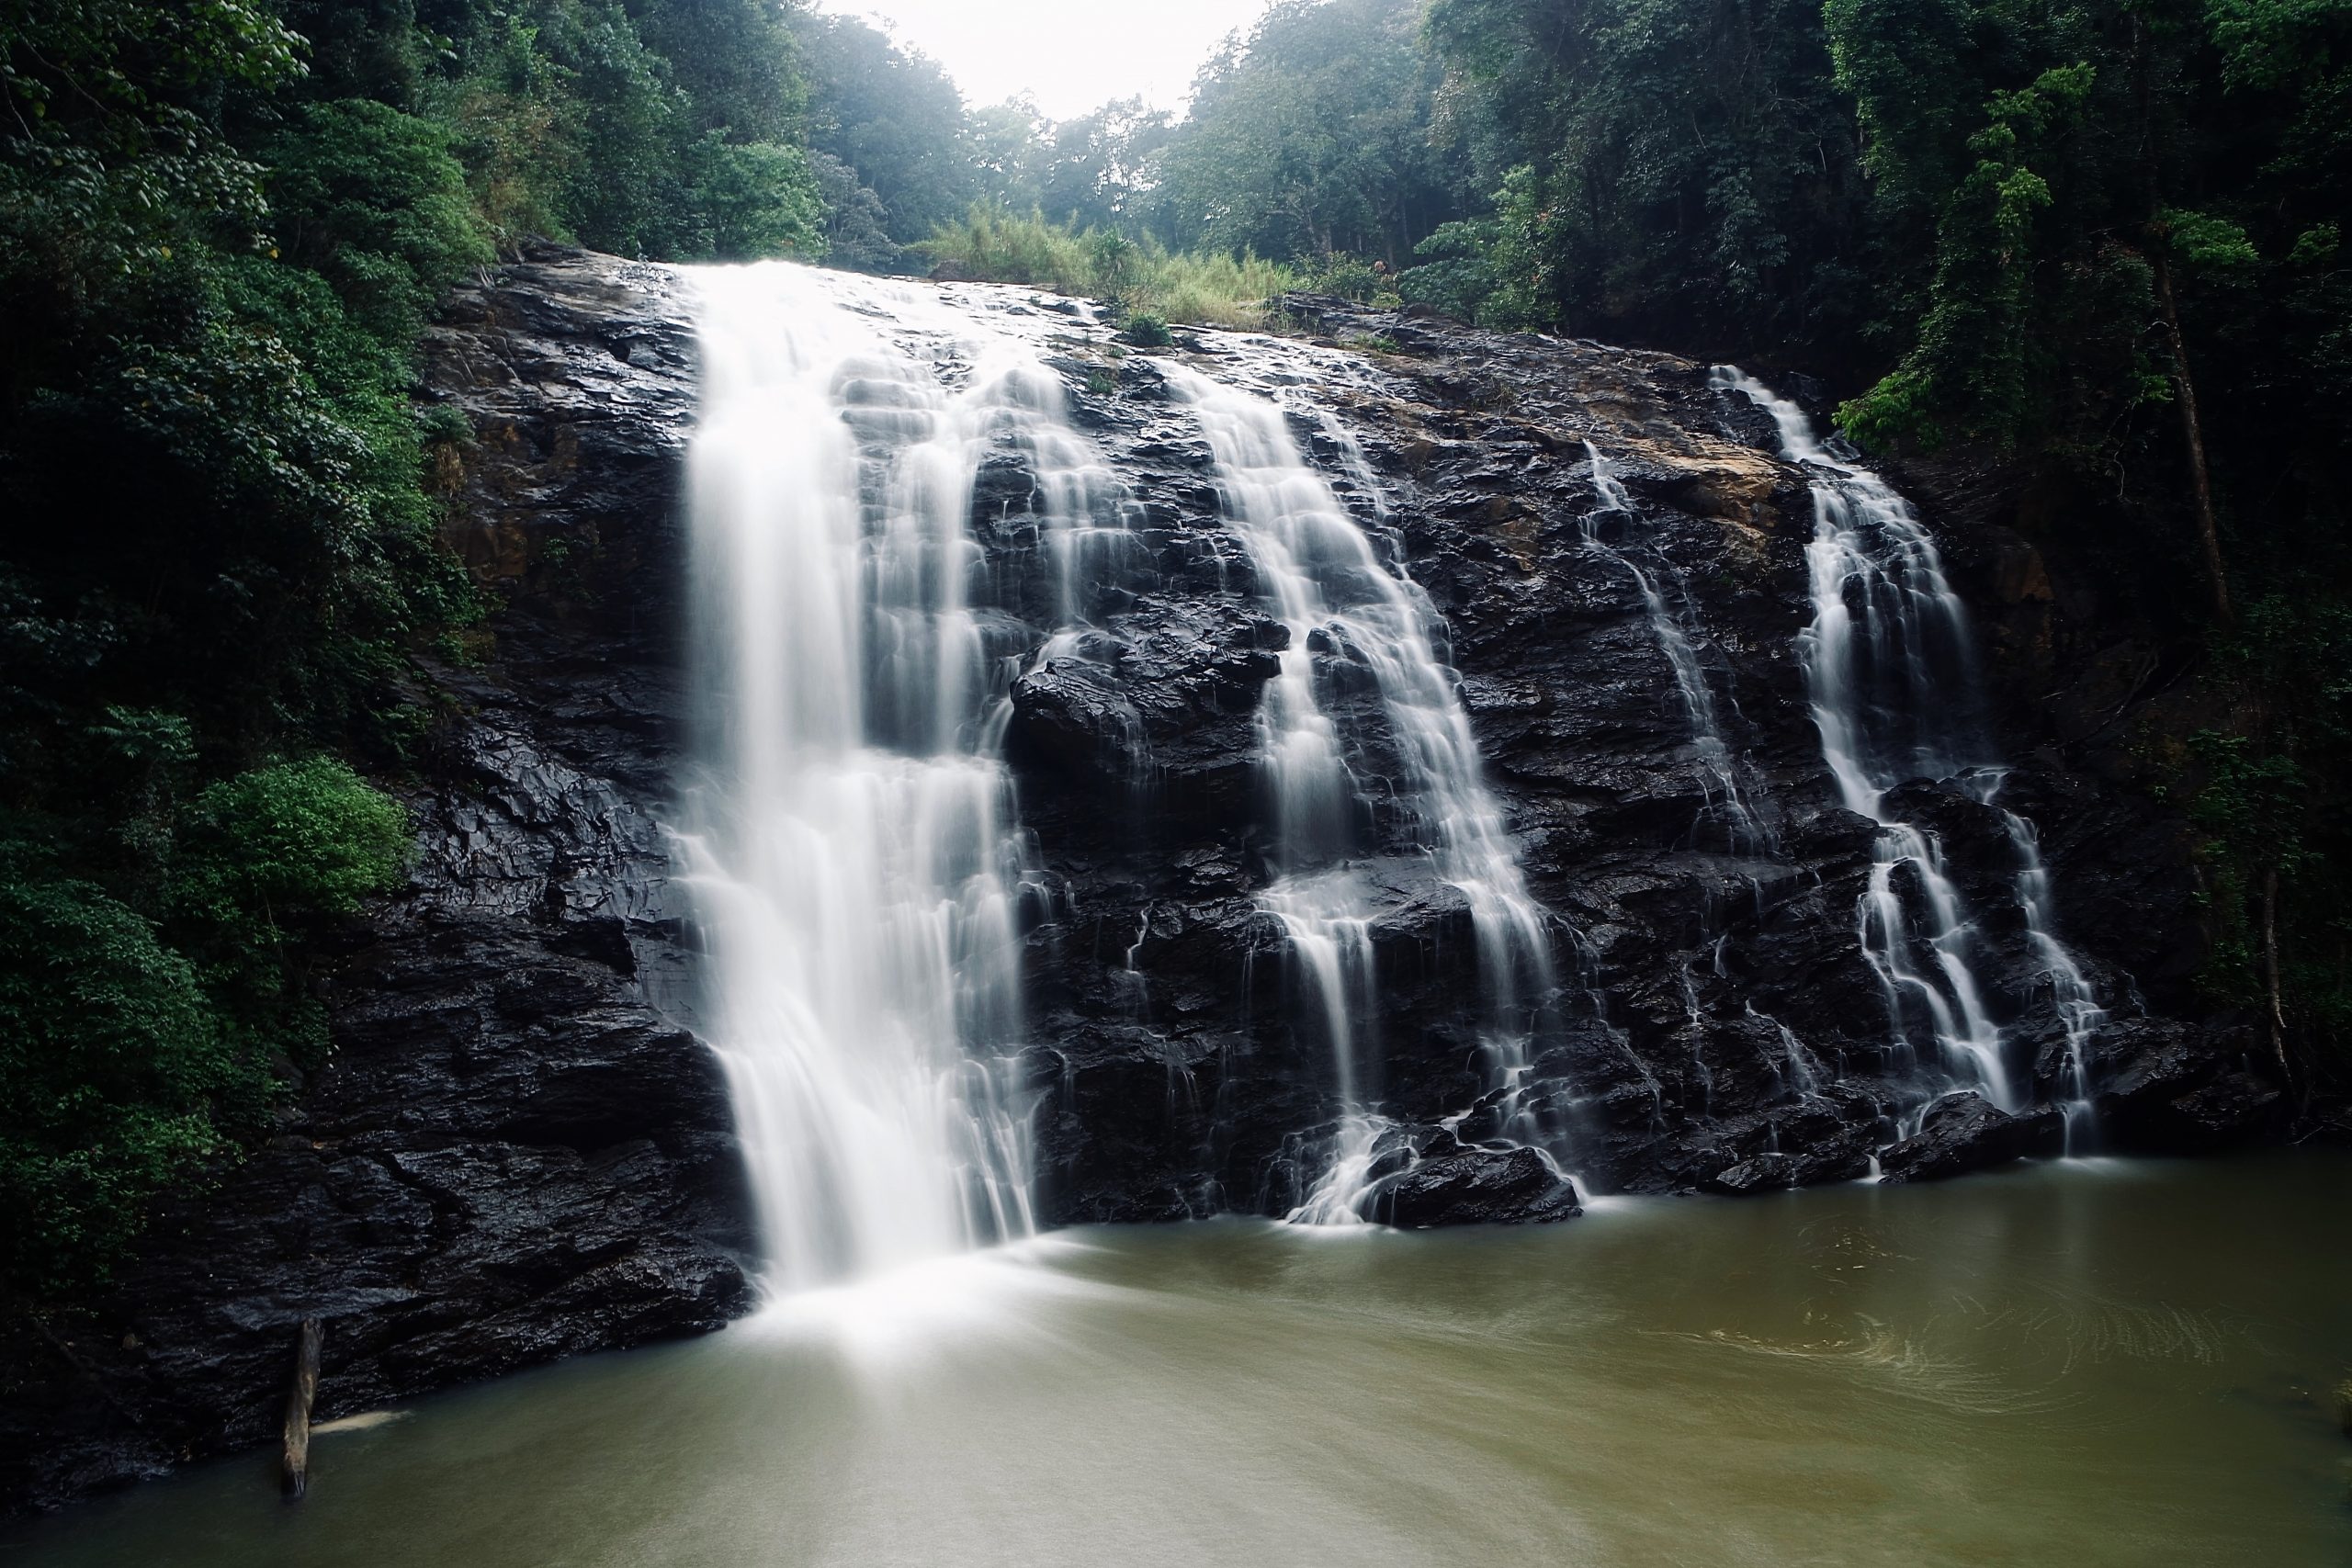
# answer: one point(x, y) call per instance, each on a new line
point(1069, 55)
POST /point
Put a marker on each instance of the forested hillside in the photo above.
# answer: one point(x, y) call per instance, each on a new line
point(2094, 248)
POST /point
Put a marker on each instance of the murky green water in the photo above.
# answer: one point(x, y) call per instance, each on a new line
point(2122, 1364)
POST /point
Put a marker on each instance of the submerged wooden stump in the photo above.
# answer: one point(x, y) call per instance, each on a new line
point(298, 1407)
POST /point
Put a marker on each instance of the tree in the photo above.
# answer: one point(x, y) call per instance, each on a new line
point(1690, 178)
point(1311, 137)
point(893, 117)
point(1097, 171)
point(113, 150)
point(746, 202)
point(737, 62)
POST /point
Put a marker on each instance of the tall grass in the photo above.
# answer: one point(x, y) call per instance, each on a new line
point(1141, 276)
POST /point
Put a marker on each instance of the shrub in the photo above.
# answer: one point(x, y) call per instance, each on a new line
point(115, 1076)
point(1147, 331)
point(1352, 277)
point(285, 844)
point(1458, 275)
point(135, 1055)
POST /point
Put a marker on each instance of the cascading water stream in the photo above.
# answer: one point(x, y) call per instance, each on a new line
point(1889, 665)
point(1340, 602)
point(849, 834)
point(2077, 1005)
point(1718, 768)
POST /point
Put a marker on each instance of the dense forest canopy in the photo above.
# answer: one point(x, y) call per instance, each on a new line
point(2098, 243)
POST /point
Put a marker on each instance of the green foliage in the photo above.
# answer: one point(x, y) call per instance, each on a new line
point(1137, 275)
point(371, 199)
point(2275, 44)
point(1459, 270)
point(247, 450)
point(631, 124)
point(265, 860)
point(2316, 246)
point(129, 1063)
point(2208, 244)
point(111, 1068)
point(1310, 138)
point(1114, 262)
point(1212, 289)
point(991, 244)
point(753, 201)
point(1097, 171)
point(113, 150)
point(856, 235)
point(893, 117)
point(737, 62)
point(1672, 171)
point(1146, 330)
point(1975, 356)
point(1492, 271)
point(1352, 277)
point(516, 125)
point(2268, 797)
point(278, 845)
point(669, 128)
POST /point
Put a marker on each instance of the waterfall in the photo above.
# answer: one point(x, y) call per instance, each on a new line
point(1718, 769)
point(1345, 607)
point(1890, 667)
point(2076, 1004)
point(848, 831)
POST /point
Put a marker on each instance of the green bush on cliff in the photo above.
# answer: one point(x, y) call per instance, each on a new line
point(262, 860)
point(1145, 330)
point(115, 1077)
point(285, 842)
point(140, 1046)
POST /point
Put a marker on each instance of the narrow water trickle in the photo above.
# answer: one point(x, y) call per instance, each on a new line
point(849, 832)
point(1889, 665)
point(1346, 610)
point(1727, 807)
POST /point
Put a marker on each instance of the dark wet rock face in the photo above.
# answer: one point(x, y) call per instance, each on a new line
point(520, 1150)
point(1454, 1184)
point(1962, 1132)
point(1718, 1025)
point(2173, 1091)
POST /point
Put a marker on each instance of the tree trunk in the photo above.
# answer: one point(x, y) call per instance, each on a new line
point(298, 1407)
point(2200, 484)
point(2271, 972)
